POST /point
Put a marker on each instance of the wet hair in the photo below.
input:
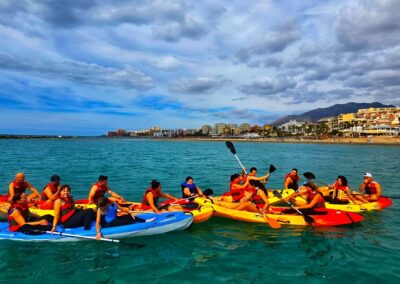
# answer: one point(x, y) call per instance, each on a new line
point(295, 170)
point(155, 184)
point(344, 180)
point(64, 186)
point(102, 201)
point(102, 178)
point(188, 178)
point(234, 176)
point(253, 169)
point(16, 197)
point(312, 185)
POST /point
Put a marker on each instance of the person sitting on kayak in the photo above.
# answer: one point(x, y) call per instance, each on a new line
point(292, 180)
point(21, 220)
point(252, 175)
point(51, 193)
point(100, 188)
point(67, 214)
point(251, 193)
point(151, 196)
point(190, 189)
point(259, 195)
point(237, 190)
point(107, 215)
point(242, 192)
point(341, 193)
point(372, 189)
point(314, 199)
point(19, 186)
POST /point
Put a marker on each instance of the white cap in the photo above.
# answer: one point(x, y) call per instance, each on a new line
point(367, 175)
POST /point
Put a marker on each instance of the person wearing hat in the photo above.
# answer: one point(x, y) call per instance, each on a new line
point(372, 189)
point(19, 186)
point(51, 192)
point(100, 188)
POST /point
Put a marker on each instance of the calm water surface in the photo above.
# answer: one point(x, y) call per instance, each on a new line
point(218, 250)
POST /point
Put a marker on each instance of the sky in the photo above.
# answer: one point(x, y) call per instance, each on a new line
point(84, 67)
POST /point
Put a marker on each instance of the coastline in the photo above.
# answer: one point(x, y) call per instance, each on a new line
point(378, 140)
point(375, 140)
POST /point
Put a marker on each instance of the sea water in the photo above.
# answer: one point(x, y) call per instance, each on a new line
point(218, 250)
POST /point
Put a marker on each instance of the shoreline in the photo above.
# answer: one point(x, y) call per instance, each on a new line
point(379, 140)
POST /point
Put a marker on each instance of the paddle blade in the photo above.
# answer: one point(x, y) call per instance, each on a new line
point(208, 192)
point(309, 219)
point(272, 168)
point(309, 175)
point(271, 222)
point(277, 194)
point(231, 148)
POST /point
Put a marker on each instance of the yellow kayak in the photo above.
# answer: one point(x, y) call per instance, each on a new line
point(329, 218)
point(226, 201)
point(381, 203)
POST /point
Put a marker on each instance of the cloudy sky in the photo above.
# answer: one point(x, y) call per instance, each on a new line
point(84, 67)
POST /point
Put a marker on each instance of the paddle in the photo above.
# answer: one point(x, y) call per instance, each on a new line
point(309, 175)
point(231, 148)
point(307, 218)
point(82, 237)
point(271, 222)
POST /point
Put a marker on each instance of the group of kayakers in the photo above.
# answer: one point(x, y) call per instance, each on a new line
point(108, 211)
point(246, 190)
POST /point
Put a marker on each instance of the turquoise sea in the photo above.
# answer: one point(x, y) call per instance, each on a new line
point(218, 250)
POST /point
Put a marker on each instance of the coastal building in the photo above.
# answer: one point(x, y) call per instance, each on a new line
point(371, 121)
point(219, 128)
point(268, 127)
point(112, 134)
point(227, 130)
point(121, 132)
point(292, 126)
point(234, 131)
point(245, 127)
point(206, 129)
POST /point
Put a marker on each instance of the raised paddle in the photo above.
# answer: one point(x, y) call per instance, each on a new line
point(307, 218)
point(271, 222)
point(309, 175)
point(231, 148)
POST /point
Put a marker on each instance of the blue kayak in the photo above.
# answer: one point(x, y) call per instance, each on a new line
point(162, 223)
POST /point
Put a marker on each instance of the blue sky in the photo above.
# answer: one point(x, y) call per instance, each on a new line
point(83, 67)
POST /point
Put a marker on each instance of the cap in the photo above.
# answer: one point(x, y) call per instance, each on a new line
point(55, 178)
point(367, 175)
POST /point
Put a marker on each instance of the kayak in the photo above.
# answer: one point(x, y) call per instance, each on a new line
point(320, 219)
point(221, 200)
point(162, 223)
point(200, 213)
point(382, 203)
point(225, 200)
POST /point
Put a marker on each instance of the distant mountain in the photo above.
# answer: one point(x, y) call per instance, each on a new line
point(335, 110)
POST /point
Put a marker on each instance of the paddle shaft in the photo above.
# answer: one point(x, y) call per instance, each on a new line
point(240, 163)
point(82, 237)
